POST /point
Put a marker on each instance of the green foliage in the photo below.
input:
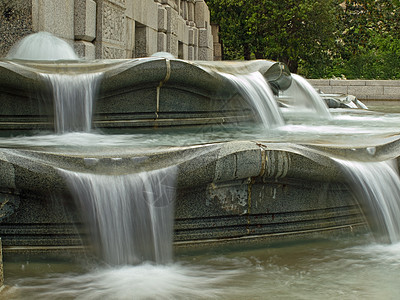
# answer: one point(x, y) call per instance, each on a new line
point(315, 38)
point(291, 31)
point(371, 39)
point(380, 62)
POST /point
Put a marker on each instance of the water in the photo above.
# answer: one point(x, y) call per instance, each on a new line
point(256, 91)
point(42, 46)
point(345, 129)
point(332, 269)
point(73, 94)
point(130, 216)
point(73, 98)
point(301, 96)
point(352, 268)
point(378, 185)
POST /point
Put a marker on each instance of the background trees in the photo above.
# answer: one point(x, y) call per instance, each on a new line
point(315, 38)
point(370, 39)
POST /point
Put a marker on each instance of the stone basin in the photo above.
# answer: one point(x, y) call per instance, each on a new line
point(135, 93)
point(232, 191)
point(229, 192)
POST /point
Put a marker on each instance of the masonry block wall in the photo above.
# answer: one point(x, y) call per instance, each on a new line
point(15, 23)
point(113, 28)
point(367, 90)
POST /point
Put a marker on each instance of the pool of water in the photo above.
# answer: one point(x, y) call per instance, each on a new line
point(346, 128)
point(392, 108)
point(346, 268)
point(355, 268)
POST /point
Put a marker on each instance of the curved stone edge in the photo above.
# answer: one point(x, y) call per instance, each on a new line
point(197, 165)
point(17, 80)
point(36, 172)
point(219, 188)
point(134, 93)
point(126, 73)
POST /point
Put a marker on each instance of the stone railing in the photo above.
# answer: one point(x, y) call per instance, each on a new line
point(369, 91)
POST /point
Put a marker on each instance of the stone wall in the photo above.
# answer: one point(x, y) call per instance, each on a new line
point(15, 22)
point(365, 90)
point(216, 42)
point(114, 28)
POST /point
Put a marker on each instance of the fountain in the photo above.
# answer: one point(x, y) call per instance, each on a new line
point(42, 46)
point(124, 161)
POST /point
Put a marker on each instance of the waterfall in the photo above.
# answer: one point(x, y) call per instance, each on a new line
point(378, 185)
point(130, 216)
point(73, 97)
point(306, 97)
point(255, 90)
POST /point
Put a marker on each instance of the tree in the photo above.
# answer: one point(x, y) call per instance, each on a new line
point(371, 39)
point(297, 32)
point(315, 38)
point(232, 17)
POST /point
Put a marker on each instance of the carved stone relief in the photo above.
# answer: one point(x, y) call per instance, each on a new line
point(113, 21)
point(112, 53)
point(119, 2)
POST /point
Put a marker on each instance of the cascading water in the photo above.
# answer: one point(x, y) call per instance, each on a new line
point(378, 185)
point(255, 90)
point(130, 216)
point(304, 96)
point(73, 98)
point(73, 94)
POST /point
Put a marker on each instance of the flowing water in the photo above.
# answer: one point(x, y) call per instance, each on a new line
point(256, 91)
point(73, 98)
point(378, 186)
point(130, 216)
point(303, 97)
point(346, 268)
point(332, 269)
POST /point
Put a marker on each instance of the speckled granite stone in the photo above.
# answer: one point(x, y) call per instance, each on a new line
point(1, 265)
point(16, 22)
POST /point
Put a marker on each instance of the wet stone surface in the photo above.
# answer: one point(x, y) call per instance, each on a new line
point(9, 203)
point(1, 266)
